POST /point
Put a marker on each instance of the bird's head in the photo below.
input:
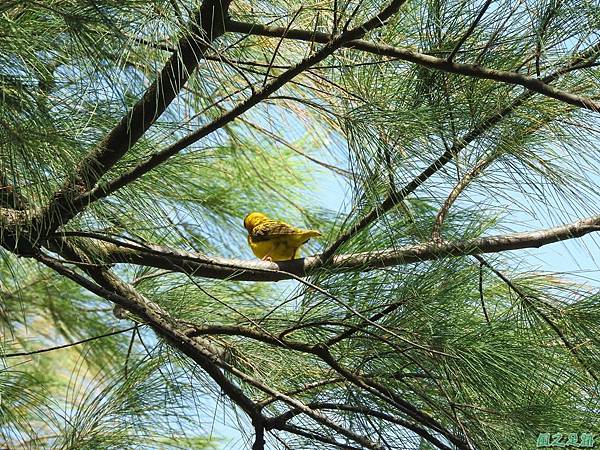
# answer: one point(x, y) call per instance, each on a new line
point(253, 219)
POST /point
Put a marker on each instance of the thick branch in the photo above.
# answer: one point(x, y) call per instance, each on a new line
point(396, 197)
point(432, 62)
point(132, 126)
point(332, 44)
point(196, 264)
point(108, 286)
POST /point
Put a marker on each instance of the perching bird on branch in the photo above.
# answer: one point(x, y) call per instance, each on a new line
point(272, 240)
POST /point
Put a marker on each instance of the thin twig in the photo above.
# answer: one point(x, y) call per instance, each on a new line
point(463, 183)
point(346, 334)
point(58, 347)
point(282, 141)
point(481, 298)
point(572, 349)
point(129, 349)
point(317, 437)
point(469, 31)
point(289, 25)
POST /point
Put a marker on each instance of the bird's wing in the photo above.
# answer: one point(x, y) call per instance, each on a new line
point(267, 231)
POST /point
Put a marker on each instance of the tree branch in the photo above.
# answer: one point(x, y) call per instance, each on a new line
point(200, 265)
point(533, 84)
point(283, 418)
point(161, 156)
point(71, 344)
point(459, 187)
point(318, 350)
point(469, 31)
point(317, 437)
point(570, 347)
point(396, 197)
point(108, 286)
point(112, 288)
point(387, 395)
point(209, 25)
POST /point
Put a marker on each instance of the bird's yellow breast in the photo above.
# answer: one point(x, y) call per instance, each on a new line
point(276, 249)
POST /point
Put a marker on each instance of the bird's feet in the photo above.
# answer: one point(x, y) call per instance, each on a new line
point(267, 258)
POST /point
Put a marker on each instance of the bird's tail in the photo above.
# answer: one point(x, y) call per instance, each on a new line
point(305, 235)
point(311, 233)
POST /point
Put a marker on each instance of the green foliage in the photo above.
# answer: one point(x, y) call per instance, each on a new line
point(496, 351)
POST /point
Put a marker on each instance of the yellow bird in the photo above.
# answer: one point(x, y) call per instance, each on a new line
point(272, 240)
